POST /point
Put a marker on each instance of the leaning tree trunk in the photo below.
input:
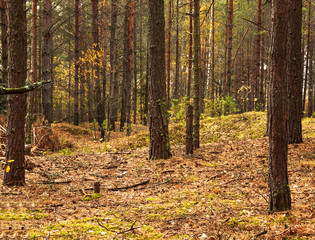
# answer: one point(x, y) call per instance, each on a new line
point(279, 191)
point(14, 174)
point(295, 72)
point(159, 137)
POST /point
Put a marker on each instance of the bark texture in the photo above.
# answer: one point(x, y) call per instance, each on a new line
point(159, 137)
point(14, 174)
point(279, 191)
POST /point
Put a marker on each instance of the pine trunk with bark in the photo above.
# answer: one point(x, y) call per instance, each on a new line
point(279, 191)
point(159, 136)
point(76, 62)
point(227, 86)
point(189, 141)
point(196, 84)
point(14, 171)
point(295, 72)
point(100, 108)
point(47, 97)
point(311, 84)
point(176, 82)
point(169, 43)
point(258, 101)
point(4, 54)
point(113, 91)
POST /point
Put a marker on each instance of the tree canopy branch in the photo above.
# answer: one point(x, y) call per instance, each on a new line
point(21, 90)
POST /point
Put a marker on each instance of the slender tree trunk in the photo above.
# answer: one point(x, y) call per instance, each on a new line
point(295, 72)
point(135, 68)
point(113, 84)
point(189, 107)
point(169, 43)
point(257, 70)
point(212, 53)
point(100, 108)
point(4, 55)
point(104, 70)
point(196, 74)
point(127, 66)
point(146, 92)
point(311, 81)
point(262, 80)
point(47, 74)
point(142, 85)
point(307, 51)
point(33, 72)
point(14, 174)
point(279, 191)
point(83, 68)
point(227, 87)
point(76, 62)
point(176, 82)
point(159, 137)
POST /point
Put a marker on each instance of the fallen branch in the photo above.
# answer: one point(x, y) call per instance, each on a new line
point(128, 187)
point(262, 233)
point(132, 228)
point(56, 182)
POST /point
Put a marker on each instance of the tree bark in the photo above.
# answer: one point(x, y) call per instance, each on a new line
point(227, 86)
point(307, 51)
point(311, 82)
point(135, 68)
point(196, 74)
point(176, 82)
point(295, 72)
point(47, 97)
point(159, 137)
point(258, 102)
point(76, 62)
point(169, 43)
point(14, 174)
point(279, 191)
point(112, 111)
point(100, 108)
point(4, 55)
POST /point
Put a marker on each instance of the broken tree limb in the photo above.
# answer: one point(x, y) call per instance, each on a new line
point(128, 187)
point(22, 90)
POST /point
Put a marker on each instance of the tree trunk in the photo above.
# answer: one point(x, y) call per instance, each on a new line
point(196, 74)
point(100, 111)
point(169, 43)
point(76, 62)
point(14, 174)
point(279, 191)
point(212, 54)
point(83, 67)
point(189, 107)
point(307, 51)
point(311, 82)
point(33, 72)
point(227, 87)
point(104, 63)
point(159, 137)
point(47, 74)
point(295, 72)
point(135, 73)
point(258, 101)
point(4, 48)
point(112, 111)
point(176, 82)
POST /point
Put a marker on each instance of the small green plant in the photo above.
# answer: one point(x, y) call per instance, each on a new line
point(66, 151)
point(91, 197)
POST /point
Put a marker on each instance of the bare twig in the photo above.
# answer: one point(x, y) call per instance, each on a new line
point(225, 221)
point(128, 187)
point(261, 233)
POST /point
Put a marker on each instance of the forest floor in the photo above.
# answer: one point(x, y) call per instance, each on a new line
point(220, 192)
